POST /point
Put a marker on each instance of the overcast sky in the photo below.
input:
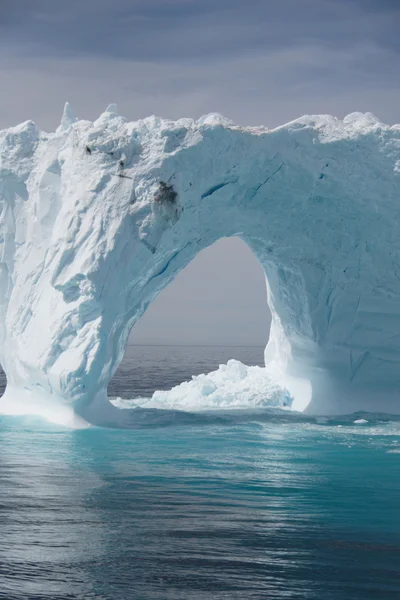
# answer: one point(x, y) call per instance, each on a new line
point(255, 61)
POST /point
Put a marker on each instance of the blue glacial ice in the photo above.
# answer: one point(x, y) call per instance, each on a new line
point(97, 218)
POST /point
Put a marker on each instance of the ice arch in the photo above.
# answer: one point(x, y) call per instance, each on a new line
point(90, 234)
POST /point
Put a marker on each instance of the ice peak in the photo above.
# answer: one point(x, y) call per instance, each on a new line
point(112, 109)
point(214, 119)
point(68, 118)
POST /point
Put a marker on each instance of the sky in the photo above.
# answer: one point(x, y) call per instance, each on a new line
point(255, 61)
point(219, 299)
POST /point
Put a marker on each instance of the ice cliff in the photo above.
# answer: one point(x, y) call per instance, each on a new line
point(97, 218)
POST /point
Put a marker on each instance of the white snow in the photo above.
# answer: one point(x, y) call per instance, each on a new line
point(85, 246)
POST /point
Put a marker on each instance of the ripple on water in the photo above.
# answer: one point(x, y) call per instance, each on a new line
point(247, 508)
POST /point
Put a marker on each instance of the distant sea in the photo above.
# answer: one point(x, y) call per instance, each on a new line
point(266, 505)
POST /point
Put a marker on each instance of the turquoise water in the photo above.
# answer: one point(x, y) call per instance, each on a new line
point(233, 506)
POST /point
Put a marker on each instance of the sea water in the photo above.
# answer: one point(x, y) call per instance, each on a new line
point(241, 505)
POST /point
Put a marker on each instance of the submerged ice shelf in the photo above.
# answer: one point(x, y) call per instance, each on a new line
point(97, 218)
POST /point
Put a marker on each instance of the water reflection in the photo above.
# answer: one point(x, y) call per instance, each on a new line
point(252, 511)
point(49, 531)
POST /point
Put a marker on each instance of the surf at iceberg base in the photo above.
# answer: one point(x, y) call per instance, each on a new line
point(97, 218)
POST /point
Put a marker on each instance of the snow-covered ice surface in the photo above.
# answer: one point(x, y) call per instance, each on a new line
point(97, 218)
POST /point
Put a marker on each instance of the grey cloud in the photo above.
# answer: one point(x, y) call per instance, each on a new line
point(192, 30)
point(269, 88)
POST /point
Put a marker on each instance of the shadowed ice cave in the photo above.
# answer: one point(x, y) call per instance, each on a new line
point(98, 218)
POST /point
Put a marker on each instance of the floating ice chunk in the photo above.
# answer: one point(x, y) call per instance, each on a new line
point(233, 385)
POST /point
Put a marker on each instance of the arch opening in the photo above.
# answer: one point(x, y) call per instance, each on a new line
point(213, 311)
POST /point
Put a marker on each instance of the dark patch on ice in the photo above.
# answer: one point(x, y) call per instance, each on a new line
point(214, 189)
point(165, 267)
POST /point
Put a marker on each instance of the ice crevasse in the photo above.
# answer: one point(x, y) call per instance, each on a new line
point(97, 218)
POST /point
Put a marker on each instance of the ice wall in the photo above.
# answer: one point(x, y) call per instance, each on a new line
point(97, 218)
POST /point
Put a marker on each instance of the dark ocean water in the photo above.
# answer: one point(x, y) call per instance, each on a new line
point(259, 506)
point(146, 369)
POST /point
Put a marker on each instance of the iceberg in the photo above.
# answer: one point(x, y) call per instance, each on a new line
point(97, 218)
